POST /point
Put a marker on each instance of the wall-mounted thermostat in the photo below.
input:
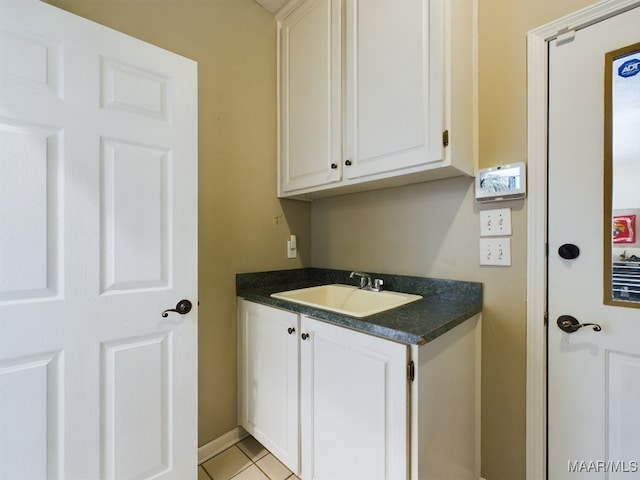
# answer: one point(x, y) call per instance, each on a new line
point(502, 182)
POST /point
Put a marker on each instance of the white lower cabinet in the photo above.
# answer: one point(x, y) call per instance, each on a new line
point(353, 404)
point(332, 403)
point(268, 379)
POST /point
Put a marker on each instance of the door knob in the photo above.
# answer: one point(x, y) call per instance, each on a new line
point(183, 307)
point(569, 251)
point(570, 324)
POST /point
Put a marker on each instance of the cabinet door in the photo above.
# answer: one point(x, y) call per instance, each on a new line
point(310, 96)
point(268, 378)
point(353, 404)
point(394, 70)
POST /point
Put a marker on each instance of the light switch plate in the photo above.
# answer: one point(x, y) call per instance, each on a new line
point(495, 251)
point(292, 248)
point(495, 223)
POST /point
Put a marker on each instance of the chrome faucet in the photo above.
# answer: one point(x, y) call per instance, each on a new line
point(365, 281)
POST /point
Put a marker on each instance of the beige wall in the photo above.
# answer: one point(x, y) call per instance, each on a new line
point(428, 229)
point(234, 43)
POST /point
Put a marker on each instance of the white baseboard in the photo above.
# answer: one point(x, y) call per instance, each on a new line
point(219, 444)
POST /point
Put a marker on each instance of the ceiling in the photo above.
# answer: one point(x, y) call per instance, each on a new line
point(272, 5)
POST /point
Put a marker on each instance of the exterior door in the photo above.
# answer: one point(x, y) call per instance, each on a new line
point(594, 372)
point(98, 176)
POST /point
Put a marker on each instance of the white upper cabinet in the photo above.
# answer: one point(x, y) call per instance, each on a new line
point(310, 96)
point(367, 95)
point(393, 94)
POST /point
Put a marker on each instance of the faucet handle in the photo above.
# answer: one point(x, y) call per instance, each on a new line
point(365, 279)
point(377, 284)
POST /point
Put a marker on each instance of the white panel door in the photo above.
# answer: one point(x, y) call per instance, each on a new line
point(98, 200)
point(594, 376)
point(353, 404)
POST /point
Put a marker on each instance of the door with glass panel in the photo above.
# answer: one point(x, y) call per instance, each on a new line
point(594, 252)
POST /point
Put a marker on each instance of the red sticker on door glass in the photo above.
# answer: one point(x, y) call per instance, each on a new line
point(624, 229)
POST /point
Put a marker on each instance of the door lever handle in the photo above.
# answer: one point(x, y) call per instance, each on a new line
point(183, 307)
point(570, 324)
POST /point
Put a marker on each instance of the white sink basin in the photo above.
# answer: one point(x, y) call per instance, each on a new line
point(347, 299)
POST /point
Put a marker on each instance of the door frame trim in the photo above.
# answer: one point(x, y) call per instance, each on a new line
point(537, 118)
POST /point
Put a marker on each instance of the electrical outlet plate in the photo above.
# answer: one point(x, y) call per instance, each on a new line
point(496, 222)
point(495, 251)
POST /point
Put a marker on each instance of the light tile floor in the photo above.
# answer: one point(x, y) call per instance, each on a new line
point(247, 460)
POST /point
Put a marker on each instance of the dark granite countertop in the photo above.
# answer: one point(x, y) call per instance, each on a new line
point(445, 303)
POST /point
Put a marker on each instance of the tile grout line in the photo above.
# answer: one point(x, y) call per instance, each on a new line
point(205, 471)
point(235, 445)
point(265, 473)
point(252, 462)
point(266, 452)
point(248, 466)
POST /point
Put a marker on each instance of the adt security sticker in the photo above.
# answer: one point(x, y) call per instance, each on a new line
point(629, 68)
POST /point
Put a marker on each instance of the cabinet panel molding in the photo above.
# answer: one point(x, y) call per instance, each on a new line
point(382, 83)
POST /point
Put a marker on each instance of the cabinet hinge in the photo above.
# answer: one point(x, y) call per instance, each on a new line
point(411, 371)
point(445, 138)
